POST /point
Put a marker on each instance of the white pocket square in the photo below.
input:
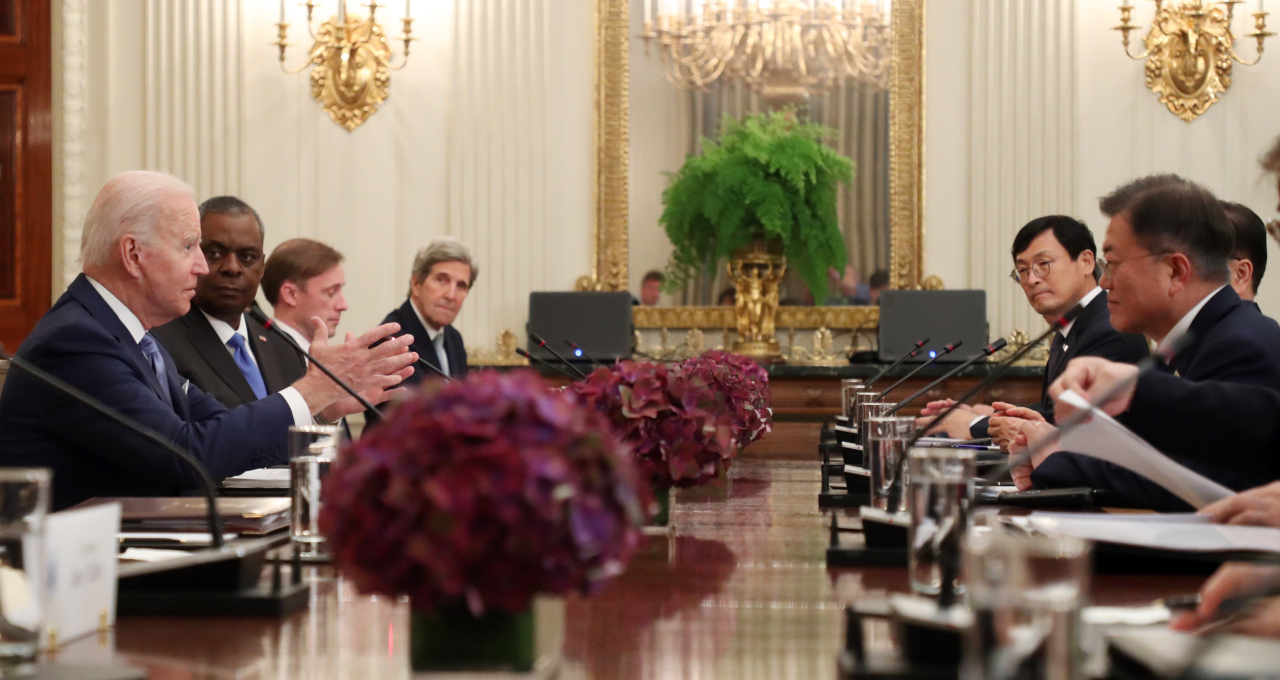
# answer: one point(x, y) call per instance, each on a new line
point(185, 386)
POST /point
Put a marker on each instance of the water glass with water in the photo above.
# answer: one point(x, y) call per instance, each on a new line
point(312, 450)
point(849, 388)
point(24, 503)
point(885, 455)
point(1026, 593)
point(860, 398)
point(940, 494)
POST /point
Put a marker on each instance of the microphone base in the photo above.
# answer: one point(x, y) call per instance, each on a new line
point(842, 499)
point(260, 600)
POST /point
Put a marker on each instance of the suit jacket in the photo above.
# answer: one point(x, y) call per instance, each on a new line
point(1092, 335)
point(82, 341)
point(201, 357)
point(454, 349)
point(1233, 343)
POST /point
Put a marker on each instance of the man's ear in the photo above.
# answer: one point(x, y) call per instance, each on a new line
point(1088, 261)
point(288, 294)
point(131, 254)
point(1242, 273)
point(1181, 269)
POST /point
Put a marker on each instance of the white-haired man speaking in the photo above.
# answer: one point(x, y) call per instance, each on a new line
point(141, 256)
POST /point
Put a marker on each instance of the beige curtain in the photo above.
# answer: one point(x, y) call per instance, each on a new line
point(859, 112)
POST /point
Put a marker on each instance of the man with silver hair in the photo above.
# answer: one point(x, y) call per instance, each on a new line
point(443, 274)
point(141, 258)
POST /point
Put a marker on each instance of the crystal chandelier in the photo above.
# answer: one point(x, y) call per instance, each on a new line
point(785, 50)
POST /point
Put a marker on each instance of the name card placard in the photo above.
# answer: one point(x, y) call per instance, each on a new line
point(81, 555)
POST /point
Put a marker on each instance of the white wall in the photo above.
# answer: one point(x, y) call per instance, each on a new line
point(1013, 52)
point(486, 135)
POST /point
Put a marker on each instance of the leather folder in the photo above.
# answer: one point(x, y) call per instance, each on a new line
point(248, 516)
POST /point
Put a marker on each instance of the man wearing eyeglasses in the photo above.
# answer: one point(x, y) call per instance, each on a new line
point(1054, 265)
point(215, 345)
point(1165, 266)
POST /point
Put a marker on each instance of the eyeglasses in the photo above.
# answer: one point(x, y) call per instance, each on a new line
point(1040, 268)
point(1108, 267)
point(248, 257)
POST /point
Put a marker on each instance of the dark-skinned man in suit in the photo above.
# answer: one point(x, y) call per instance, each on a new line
point(215, 346)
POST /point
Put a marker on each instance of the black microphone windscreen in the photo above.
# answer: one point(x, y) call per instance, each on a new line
point(996, 346)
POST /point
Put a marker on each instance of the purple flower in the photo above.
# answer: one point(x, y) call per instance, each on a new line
point(488, 491)
point(745, 385)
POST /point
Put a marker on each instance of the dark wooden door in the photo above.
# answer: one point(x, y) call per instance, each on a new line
point(26, 167)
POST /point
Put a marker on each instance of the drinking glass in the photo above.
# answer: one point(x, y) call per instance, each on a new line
point(24, 502)
point(1026, 593)
point(312, 449)
point(860, 398)
point(849, 388)
point(939, 497)
point(885, 455)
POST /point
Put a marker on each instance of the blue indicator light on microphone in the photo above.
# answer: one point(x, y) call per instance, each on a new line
point(577, 352)
point(932, 354)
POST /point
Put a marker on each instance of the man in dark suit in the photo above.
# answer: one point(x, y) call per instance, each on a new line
point(1053, 262)
point(141, 257)
point(1165, 266)
point(229, 356)
point(1249, 261)
point(443, 274)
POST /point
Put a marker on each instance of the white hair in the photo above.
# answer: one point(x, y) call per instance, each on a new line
point(129, 203)
point(442, 249)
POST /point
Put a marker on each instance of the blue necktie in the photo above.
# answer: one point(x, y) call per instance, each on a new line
point(245, 363)
point(152, 352)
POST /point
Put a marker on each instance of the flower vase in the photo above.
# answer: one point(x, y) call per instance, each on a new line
point(661, 498)
point(452, 638)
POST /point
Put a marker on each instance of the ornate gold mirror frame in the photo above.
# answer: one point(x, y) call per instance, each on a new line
point(906, 168)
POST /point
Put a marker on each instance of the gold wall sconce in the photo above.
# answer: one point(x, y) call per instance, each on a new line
point(350, 60)
point(1189, 51)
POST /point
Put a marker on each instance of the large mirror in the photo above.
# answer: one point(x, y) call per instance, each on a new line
point(646, 125)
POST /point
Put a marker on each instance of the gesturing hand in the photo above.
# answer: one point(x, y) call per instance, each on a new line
point(1091, 377)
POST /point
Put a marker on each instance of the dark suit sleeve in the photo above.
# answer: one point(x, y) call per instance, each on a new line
point(227, 442)
point(1242, 419)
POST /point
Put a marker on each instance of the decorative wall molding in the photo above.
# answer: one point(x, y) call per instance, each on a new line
point(70, 148)
point(1023, 139)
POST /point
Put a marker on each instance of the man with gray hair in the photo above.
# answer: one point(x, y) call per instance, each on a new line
point(141, 259)
point(443, 274)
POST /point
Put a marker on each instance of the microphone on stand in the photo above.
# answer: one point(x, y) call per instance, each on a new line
point(521, 351)
point(947, 349)
point(578, 351)
point(950, 562)
point(206, 482)
point(423, 362)
point(270, 325)
point(986, 352)
point(909, 355)
point(537, 340)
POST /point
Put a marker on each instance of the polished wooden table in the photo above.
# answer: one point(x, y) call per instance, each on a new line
point(739, 589)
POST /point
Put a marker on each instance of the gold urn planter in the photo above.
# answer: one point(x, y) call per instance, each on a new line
point(756, 271)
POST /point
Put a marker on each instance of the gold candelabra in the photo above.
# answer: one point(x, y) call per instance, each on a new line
point(1189, 51)
point(785, 50)
point(350, 60)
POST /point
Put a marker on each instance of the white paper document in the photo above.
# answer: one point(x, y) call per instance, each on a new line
point(1105, 439)
point(269, 478)
point(1179, 536)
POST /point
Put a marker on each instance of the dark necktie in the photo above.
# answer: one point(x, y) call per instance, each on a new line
point(1057, 358)
point(152, 351)
point(245, 363)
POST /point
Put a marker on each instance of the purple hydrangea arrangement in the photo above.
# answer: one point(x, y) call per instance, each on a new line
point(484, 492)
point(745, 385)
point(677, 424)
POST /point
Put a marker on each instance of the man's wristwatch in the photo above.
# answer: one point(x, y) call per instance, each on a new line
point(319, 419)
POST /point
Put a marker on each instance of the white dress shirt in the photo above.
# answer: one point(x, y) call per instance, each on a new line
point(297, 405)
point(436, 336)
point(1184, 324)
point(225, 331)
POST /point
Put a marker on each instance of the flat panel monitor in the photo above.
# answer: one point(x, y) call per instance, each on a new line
point(600, 323)
point(943, 316)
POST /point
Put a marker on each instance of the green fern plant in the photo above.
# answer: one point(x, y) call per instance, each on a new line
point(769, 177)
